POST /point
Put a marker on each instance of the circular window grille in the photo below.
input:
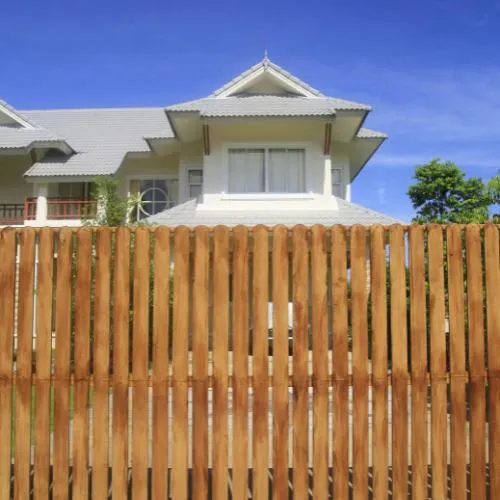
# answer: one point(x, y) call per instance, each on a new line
point(157, 194)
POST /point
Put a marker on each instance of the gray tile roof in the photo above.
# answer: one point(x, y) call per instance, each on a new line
point(100, 137)
point(366, 133)
point(263, 64)
point(347, 214)
point(13, 137)
point(267, 105)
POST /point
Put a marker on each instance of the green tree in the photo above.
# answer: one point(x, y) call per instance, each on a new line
point(111, 208)
point(494, 190)
point(442, 194)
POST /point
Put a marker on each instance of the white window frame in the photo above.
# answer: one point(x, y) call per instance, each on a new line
point(189, 184)
point(266, 146)
point(341, 169)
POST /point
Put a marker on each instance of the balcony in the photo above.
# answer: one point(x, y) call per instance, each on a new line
point(59, 209)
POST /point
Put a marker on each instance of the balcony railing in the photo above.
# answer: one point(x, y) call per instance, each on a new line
point(12, 213)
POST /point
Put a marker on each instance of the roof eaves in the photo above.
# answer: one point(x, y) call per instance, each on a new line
point(25, 121)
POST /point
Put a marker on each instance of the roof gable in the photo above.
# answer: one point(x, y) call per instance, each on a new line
point(266, 77)
point(9, 117)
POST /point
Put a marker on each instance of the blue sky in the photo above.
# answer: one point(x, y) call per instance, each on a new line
point(431, 68)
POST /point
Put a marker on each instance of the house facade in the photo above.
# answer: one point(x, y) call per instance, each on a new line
point(266, 148)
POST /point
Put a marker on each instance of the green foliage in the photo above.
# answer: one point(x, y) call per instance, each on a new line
point(111, 207)
point(443, 195)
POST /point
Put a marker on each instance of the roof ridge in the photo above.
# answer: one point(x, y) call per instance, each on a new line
point(126, 108)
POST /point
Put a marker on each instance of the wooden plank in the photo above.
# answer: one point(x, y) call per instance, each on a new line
point(82, 362)
point(100, 407)
point(180, 363)
point(418, 333)
point(320, 361)
point(399, 345)
point(280, 270)
point(300, 287)
point(492, 252)
point(379, 361)
point(44, 298)
point(62, 363)
point(457, 361)
point(7, 292)
point(200, 364)
point(338, 253)
point(439, 419)
point(240, 362)
point(121, 315)
point(476, 361)
point(359, 361)
point(260, 292)
point(23, 364)
point(140, 335)
point(220, 362)
point(161, 324)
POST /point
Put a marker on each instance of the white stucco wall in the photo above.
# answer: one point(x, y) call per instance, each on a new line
point(13, 187)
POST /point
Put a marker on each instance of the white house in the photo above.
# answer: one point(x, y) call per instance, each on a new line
point(264, 148)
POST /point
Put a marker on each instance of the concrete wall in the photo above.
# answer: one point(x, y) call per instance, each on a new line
point(13, 187)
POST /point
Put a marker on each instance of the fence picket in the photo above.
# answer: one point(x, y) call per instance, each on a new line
point(121, 319)
point(418, 337)
point(82, 362)
point(340, 329)
point(200, 364)
point(319, 318)
point(456, 311)
point(180, 364)
point(300, 285)
point(220, 361)
point(100, 407)
point(280, 281)
point(359, 362)
point(492, 252)
point(260, 350)
point(379, 359)
point(140, 394)
point(240, 362)
point(161, 362)
point(399, 344)
point(23, 365)
point(44, 299)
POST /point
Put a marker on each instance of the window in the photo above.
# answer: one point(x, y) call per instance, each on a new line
point(195, 183)
point(76, 190)
point(337, 182)
point(261, 170)
point(154, 195)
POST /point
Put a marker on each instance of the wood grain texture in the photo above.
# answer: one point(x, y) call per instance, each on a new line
point(457, 361)
point(492, 253)
point(338, 252)
point(62, 363)
point(82, 364)
point(280, 279)
point(161, 358)
point(475, 287)
point(220, 361)
point(44, 299)
point(260, 410)
point(140, 335)
point(359, 302)
point(418, 335)
point(101, 365)
point(7, 292)
point(240, 361)
point(23, 364)
point(121, 315)
point(319, 324)
point(200, 364)
point(379, 361)
point(439, 419)
point(180, 363)
point(300, 289)
point(399, 344)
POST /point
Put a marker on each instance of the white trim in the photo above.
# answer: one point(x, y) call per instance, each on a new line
point(268, 196)
point(15, 117)
point(152, 177)
point(285, 81)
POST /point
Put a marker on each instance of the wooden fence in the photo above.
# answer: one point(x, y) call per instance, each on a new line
point(148, 363)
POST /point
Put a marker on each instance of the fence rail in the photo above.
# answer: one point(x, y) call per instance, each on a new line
point(171, 376)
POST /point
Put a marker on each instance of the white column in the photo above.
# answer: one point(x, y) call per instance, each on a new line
point(41, 193)
point(348, 191)
point(327, 176)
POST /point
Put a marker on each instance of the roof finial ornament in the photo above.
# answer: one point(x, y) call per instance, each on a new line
point(266, 58)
